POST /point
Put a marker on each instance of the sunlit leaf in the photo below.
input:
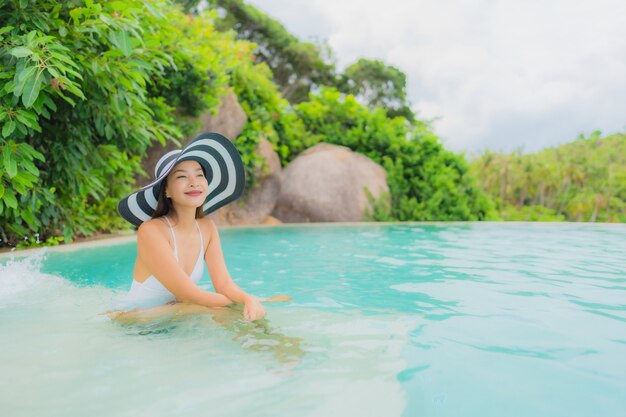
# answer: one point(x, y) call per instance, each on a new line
point(8, 128)
point(122, 41)
point(9, 199)
point(21, 52)
point(31, 89)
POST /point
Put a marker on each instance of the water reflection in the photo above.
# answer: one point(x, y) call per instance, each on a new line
point(181, 318)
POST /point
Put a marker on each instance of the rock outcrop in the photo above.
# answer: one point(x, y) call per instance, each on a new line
point(326, 183)
point(229, 121)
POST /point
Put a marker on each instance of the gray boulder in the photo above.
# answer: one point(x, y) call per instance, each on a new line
point(326, 183)
point(229, 121)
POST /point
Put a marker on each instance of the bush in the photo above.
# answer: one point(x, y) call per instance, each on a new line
point(84, 89)
point(426, 181)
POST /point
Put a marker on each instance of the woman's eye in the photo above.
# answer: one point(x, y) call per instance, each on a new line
point(180, 176)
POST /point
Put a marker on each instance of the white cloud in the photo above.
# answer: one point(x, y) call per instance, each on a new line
point(498, 73)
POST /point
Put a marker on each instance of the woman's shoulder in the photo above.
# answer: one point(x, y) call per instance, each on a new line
point(208, 227)
point(206, 221)
point(152, 226)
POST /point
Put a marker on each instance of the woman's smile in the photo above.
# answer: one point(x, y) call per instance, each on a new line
point(194, 193)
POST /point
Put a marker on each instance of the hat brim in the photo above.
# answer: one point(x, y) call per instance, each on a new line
point(223, 169)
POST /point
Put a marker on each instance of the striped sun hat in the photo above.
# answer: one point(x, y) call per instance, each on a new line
point(223, 168)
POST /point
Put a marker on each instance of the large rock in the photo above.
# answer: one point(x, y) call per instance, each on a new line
point(229, 121)
point(326, 183)
point(258, 203)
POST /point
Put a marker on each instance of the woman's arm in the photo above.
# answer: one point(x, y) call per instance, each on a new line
point(223, 283)
point(156, 254)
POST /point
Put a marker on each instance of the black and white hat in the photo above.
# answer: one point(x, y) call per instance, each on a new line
point(222, 166)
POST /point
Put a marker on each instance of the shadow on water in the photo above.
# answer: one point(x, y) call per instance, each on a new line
point(181, 320)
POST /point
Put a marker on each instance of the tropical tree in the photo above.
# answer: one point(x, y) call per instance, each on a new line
point(583, 180)
point(297, 67)
point(378, 85)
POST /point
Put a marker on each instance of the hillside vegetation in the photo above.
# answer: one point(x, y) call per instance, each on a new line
point(584, 180)
point(87, 86)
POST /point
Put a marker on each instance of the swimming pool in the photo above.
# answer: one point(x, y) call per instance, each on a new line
point(459, 319)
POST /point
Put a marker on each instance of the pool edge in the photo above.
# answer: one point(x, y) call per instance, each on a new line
point(129, 236)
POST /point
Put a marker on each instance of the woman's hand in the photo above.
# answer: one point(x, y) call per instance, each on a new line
point(253, 310)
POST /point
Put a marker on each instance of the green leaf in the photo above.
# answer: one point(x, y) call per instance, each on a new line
point(31, 90)
point(44, 113)
point(66, 98)
point(9, 199)
point(19, 186)
point(31, 168)
point(27, 114)
point(8, 128)
point(1, 191)
point(23, 120)
point(21, 52)
point(64, 58)
point(49, 103)
point(26, 73)
point(122, 40)
point(29, 217)
point(76, 13)
point(35, 154)
point(9, 163)
point(52, 71)
point(118, 5)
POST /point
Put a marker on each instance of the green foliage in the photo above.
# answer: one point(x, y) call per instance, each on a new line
point(531, 213)
point(297, 66)
point(379, 85)
point(580, 181)
point(85, 87)
point(201, 57)
point(302, 67)
point(33, 241)
point(426, 181)
point(380, 208)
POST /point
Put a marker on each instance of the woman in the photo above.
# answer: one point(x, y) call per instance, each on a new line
point(174, 239)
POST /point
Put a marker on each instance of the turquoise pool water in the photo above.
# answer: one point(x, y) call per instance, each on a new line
point(476, 319)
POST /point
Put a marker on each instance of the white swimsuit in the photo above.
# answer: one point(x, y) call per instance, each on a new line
point(151, 292)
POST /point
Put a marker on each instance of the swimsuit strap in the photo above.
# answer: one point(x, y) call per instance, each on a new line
point(201, 240)
point(173, 237)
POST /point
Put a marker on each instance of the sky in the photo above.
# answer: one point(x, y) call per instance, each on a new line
point(491, 74)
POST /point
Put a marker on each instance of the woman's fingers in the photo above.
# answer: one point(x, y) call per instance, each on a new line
point(253, 311)
point(277, 298)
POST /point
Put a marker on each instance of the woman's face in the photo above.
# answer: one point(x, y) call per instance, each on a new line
point(186, 184)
